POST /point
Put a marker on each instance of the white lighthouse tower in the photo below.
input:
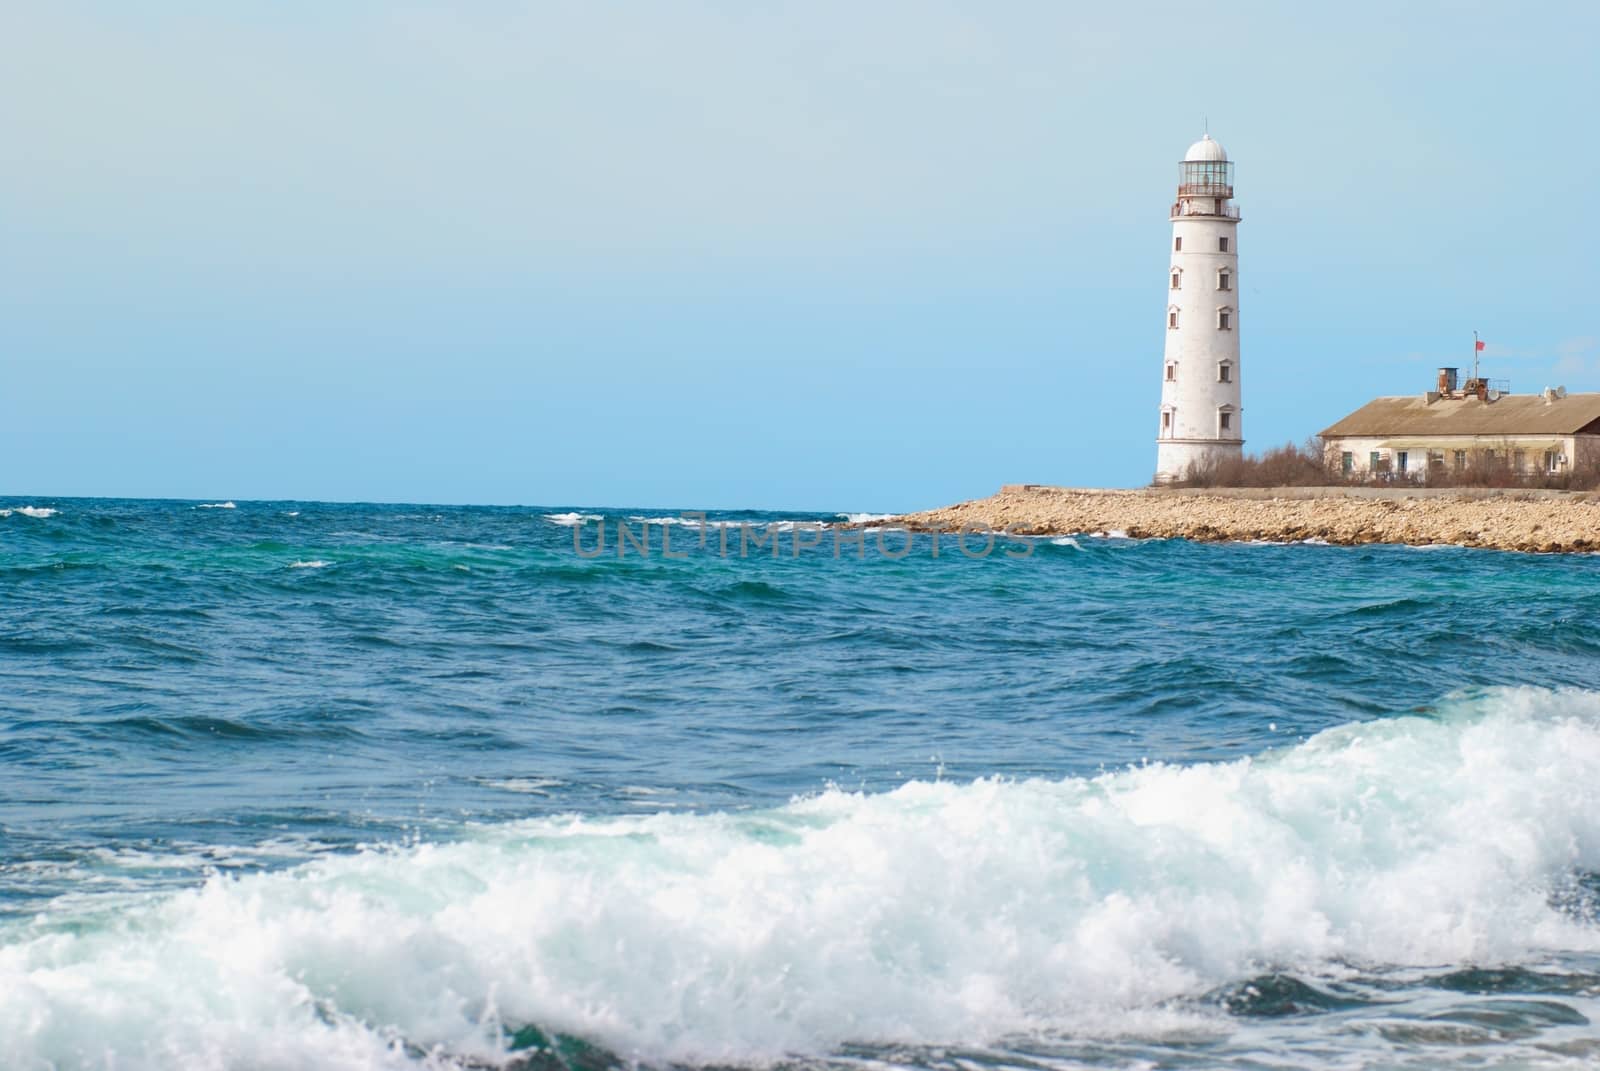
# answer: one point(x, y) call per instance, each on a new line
point(1200, 409)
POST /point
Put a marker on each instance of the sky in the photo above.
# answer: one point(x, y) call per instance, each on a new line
point(820, 256)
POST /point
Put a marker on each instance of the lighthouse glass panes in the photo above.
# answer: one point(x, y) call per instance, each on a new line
point(1202, 416)
point(1206, 178)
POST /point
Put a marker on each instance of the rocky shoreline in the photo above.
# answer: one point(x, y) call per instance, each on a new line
point(1524, 520)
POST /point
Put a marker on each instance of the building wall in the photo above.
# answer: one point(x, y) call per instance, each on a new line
point(1580, 451)
point(1192, 394)
point(1585, 452)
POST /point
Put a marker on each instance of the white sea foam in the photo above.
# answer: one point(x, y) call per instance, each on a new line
point(1067, 541)
point(936, 913)
point(864, 518)
point(30, 511)
point(693, 522)
point(316, 563)
point(571, 520)
point(216, 505)
point(1115, 533)
point(531, 786)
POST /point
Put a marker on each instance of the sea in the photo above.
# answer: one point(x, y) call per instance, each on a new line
point(297, 785)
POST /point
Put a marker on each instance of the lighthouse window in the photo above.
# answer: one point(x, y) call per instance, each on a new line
point(1172, 372)
point(1172, 319)
point(1177, 280)
point(1222, 246)
point(1225, 319)
point(1166, 421)
point(1177, 243)
point(1224, 281)
point(1227, 421)
point(1224, 373)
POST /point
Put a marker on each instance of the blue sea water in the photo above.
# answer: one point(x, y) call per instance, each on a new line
point(299, 785)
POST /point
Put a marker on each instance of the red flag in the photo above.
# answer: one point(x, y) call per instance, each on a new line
point(1480, 346)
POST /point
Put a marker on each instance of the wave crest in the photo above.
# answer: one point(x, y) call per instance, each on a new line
point(935, 913)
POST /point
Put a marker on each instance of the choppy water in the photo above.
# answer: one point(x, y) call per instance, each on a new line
point(291, 785)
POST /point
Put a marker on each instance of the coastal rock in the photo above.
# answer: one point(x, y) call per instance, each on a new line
point(1537, 521)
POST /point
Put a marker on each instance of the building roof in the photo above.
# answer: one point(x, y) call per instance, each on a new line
point(1510, 414)
point(1204, 150)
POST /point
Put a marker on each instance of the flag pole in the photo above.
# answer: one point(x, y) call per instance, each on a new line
point(1474, 355)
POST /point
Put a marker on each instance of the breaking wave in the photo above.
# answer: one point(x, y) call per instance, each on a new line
point(938, 913)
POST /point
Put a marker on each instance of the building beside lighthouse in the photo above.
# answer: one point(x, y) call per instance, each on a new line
point(1201, 420)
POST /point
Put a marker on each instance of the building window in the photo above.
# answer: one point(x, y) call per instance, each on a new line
point(1460, 460)
point(1172, 372)
point(1177, 279)
point(1519, 460)
point(1552, 461)
point(1435, 459)
point(1224, 372)
point(1375, 461)
point(1225, 319)
point(1177, 243)
point(1222, 244)
point(1225, 421)
point(1347, 463)
point(1224, 280)
point(1166, 423)
point(1172, 319)
point(1400, 459)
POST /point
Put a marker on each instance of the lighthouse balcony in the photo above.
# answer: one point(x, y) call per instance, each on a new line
point(1216, 208)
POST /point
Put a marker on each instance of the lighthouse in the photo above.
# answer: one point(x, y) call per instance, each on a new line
point(1201, 415)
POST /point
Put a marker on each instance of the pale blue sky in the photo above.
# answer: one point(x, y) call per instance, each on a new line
point(854, 256)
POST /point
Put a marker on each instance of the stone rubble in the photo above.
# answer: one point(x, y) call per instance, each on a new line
point(1536, 521)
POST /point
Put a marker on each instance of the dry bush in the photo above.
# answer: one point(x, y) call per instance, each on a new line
point(1282, 466)
point(1307, 466)
point(1492, 468)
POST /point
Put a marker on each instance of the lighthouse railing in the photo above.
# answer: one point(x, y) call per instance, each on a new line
point(1184, 208)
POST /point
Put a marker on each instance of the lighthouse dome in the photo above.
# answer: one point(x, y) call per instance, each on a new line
point(1205, 151)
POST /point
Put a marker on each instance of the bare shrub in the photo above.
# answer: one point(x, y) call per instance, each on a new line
point(1282, 466)
point(1494, 468)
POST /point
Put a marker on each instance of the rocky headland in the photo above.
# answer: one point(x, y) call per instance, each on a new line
point(1526, 520)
